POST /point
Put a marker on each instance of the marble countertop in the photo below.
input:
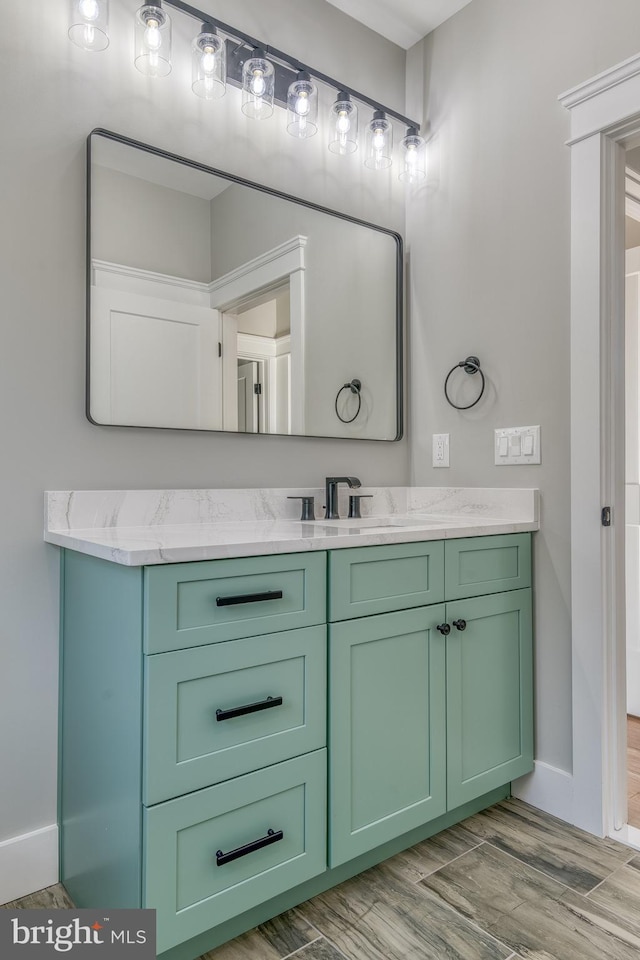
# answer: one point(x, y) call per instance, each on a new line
point(138, 528)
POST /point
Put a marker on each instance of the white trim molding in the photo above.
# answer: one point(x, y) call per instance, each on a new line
point(276, 264)
point(28, 863)
point(148, 283)
point(605, 112)
point(632, 193)
point(547, 788)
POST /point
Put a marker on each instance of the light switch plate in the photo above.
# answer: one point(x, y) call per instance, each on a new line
point(516, 445)
point(441, 450)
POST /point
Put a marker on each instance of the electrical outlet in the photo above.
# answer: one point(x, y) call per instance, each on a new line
point(441, 450)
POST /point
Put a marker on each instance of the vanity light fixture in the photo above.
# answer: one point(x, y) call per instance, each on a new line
point(414, 148)
point(379, 142)
point(258, 86)
point(153, 40)
point(302, 106)
point(222, 55)
point(209, 59)
point(89, 25)
point(344, 125)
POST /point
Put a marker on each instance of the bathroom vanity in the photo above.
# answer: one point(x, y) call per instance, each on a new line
point(282, 707)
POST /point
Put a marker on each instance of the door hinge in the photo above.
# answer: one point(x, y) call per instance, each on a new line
point(257, 388)
point(219, 349)
point(606, 516)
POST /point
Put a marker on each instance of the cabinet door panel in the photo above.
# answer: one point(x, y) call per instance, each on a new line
point(387, 733)
point(475, 566)
point(489, 694)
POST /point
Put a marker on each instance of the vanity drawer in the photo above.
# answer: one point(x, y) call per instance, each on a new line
point(190, 604)
point(369, 580)
point(183, 880)
point(480, 565)
point(216, 712)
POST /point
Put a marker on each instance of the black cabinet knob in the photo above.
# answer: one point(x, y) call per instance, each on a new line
point(444, 629)
point(460, 624)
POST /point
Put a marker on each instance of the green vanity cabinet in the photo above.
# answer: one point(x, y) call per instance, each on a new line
point(387, 728)
point(422, 719)
point(489, 682)
point(238, 735)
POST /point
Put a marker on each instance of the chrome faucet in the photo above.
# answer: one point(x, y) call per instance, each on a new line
point(331, 508)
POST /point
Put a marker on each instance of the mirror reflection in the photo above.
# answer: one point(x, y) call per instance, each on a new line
point(218, 305)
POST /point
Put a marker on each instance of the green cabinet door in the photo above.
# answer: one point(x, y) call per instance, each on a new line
point(489, 694)
point(387, 728)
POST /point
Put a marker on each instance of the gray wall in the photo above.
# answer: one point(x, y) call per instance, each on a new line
point(489, 254)
point(50, 103)
point(144, 225)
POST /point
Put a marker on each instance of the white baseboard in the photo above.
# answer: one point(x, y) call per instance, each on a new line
point(548, 788)
point(28, 863)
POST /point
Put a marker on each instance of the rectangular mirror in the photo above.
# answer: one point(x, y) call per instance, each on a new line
point(218, 304)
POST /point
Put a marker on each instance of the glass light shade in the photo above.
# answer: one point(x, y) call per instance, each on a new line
point(89, 24)
point(379, 142)
point(302, 107)
point(153, 41)
point(258, 86)
point(209, 59)
point(415, 154)
point(344, 126)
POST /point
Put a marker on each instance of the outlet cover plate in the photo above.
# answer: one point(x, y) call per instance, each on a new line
point(440, 449)
point(512, 446)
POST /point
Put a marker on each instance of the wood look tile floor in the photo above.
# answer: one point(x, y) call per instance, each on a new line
point(510, 883)
point(633, 770)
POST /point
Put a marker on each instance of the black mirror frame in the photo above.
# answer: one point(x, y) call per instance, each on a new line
point(156, 151)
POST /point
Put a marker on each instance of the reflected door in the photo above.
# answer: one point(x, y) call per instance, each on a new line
point(154, 362)
point(248, 396)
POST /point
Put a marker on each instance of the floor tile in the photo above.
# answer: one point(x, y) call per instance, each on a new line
point(485, 884)
point(319, 950)
point(633, 784)
point(633, 732)
point(270, 941)
point(572, 928)
point(633, 815)
point(426, 857)
point(51, 898)
point(563, 852)
point(620, 893)
point(412, 925)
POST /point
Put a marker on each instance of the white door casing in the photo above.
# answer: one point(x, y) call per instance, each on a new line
point(605, 114)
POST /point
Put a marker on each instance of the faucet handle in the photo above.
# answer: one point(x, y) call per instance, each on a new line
point(354, 504)
point(308, 511)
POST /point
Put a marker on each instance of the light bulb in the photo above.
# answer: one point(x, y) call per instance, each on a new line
point(343, 124)
point(208, 60)
point(302, 104)
point(378, 140)
point(258, 85)
point(152, 37)
point(89, 9)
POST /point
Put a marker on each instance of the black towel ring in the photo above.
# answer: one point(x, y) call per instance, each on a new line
point(471, 365)
point(355, 386)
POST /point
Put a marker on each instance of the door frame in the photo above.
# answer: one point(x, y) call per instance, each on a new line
point(605, 117)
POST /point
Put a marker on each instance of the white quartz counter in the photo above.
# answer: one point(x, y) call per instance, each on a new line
point(140, 527)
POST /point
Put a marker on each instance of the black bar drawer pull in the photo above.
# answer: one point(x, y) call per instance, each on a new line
point(272, 837)
point(249, 708)
point(249, 598)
